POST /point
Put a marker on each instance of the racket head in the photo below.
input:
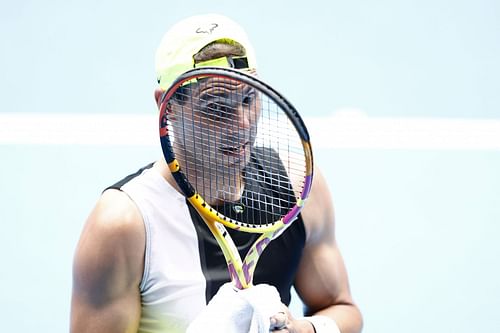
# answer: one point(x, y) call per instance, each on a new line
point(213, 121)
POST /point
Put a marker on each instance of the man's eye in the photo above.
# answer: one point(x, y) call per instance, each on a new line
point(217, 111)
point(248, 99)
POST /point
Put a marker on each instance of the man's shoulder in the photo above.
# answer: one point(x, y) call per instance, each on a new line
point(115, 209)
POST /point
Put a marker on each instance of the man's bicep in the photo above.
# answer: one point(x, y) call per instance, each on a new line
point(120, 315)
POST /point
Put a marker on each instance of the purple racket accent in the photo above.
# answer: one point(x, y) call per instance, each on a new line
point(234, 276)
point(246, 271)
point(307, 186)
point(248, 267)
point(292, 214)
point(260, 246)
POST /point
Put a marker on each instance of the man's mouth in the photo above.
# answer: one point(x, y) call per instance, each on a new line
point(235, 151)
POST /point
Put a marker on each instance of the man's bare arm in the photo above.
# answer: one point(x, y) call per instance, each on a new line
point(322, 280)
point(108, 267)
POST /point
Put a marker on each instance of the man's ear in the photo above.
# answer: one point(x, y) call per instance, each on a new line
point(158, 94)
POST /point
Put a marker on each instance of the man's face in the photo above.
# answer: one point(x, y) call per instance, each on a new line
point(215, 126)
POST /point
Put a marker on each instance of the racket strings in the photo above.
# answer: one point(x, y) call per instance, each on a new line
point(222, 130)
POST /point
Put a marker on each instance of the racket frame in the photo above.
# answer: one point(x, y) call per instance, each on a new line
point(241, 272)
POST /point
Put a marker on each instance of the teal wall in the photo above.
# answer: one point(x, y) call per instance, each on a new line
point(419, 228)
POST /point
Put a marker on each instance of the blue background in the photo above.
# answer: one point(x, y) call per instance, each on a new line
point(419, 229)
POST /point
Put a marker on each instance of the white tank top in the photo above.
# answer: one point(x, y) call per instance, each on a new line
point(173, 284)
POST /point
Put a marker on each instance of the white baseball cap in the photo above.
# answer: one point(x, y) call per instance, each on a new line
point(175, 54)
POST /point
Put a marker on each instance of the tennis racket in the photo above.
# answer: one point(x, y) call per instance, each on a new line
point(241, 155)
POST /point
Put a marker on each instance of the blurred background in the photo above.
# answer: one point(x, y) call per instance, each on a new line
point(401, 97)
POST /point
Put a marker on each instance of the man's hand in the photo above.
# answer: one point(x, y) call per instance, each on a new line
point(284, 322)
point(254, 310)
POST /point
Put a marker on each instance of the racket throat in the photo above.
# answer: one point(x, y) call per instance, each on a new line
point(242, 273)
point(241, 276)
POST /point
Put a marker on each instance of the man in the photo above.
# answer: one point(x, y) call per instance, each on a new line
point(145, 261)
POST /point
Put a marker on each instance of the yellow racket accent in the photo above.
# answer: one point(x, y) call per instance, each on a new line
point(308, 157)
point(212, 215)
point(174, 166)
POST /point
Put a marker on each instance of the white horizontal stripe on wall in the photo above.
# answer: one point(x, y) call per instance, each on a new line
point(344, 130)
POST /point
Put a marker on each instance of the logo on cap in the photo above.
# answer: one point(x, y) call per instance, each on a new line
point(207, 30)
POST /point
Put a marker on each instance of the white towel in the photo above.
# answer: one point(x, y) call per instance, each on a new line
point(239, 311)
point(265, 302)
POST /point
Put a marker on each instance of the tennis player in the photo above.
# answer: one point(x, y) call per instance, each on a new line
point(146, 262)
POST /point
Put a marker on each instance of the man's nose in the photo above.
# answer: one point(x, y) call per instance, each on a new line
point(243, 117)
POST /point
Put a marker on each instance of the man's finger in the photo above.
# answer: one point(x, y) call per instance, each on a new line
point(279, 321)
